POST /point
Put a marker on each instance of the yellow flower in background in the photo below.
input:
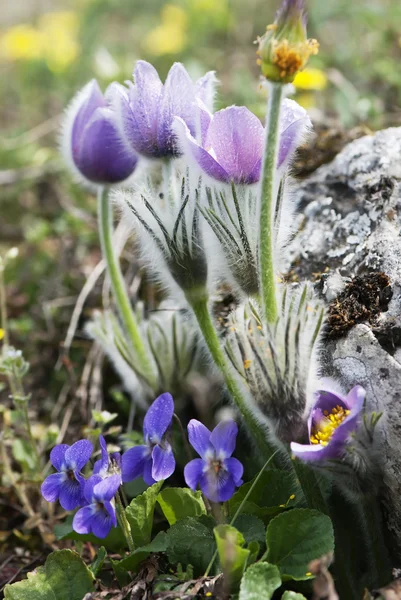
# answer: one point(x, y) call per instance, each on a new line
point(54, 40)
point(311, 79)
point(170, 37)
point(60, 30)
point(21, 42)
point(1, 333)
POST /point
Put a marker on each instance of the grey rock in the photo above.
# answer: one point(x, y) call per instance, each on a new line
point(350, 222)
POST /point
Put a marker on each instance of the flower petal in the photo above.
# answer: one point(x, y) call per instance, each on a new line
point(51, 486)
point(178, 100)
point(237, 137)
point(107, 488)
point(223, 438)
point(89, 486)
point(205, 89)
point(294, 123)
point(133, 462)
point(77, 455)
point(141, 119)
point(57, 456)
point(217, 487)
point(89, 99)
point(163, 462)
point(101, 523)
point(193, 150)
point(71, 494)
point(199, 438)
point(355, 401)
point(158, 418)
point(101, 466)
point(193, 472)
point(147, 472)
point(100, 154)
point(315, 452)
point(236, 469)
point(82, 520)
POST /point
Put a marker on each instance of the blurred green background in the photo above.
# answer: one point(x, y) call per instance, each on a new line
point(49, 50)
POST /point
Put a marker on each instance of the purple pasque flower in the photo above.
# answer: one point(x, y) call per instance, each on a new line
point(94, 140)
point(148, 115)
point(154, 460)
point(99, 516)
point(230, 147)
point(216, 472)
point(332, 420)
point(67, 485)
point(108, 464)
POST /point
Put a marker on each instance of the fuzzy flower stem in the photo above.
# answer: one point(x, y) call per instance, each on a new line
point(199, 304)
point(268, 202)
point(118, 286)
point(123, 522)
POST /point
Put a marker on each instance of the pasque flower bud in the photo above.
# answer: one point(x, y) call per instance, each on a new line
point(94, 142)
point(284, 49)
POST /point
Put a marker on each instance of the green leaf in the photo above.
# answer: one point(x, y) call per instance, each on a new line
point(64, 576)
point(292, 596)
point(254, 549)
point(133, 560)
point(260, 582)
point(233, 557)
point(191, 542)
point(296, 537)
point(140, 514)
point(252, 528)
point(97, 564)
point(274, 488)
point(178, 503)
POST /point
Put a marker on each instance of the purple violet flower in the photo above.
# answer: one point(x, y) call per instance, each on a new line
point(216, 472)
point(67, 485)
point(99, 516)
point(148, 115)
point(108, 464)
point(332, 420)
point(155, 460)
point(230, 147)
point(93, 140)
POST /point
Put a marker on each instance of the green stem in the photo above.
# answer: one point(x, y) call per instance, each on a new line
point(241, 506)
point(123, 522)
point(199, 304)
point(3, 305)
point(119, 287)
point(268, 202)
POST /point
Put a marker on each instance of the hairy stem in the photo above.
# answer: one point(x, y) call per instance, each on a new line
point(199, 305)
point(119, 288)
point(268, 204)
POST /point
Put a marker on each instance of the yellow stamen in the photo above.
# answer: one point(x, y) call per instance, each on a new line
point(323, 431)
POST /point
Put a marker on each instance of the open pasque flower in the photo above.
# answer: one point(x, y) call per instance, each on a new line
point(148, 115)
point(332, 420)
point(230, 148)
point(93, 140)
point(154, 460)
point(99, 516)
point(216, 472)
point(67, 484)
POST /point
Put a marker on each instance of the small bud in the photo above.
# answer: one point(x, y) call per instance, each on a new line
point(284, 49)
